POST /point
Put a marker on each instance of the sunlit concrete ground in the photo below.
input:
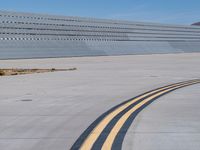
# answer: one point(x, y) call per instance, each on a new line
point(49, 111)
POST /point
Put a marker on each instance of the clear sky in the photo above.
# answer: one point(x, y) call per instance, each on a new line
point(163, 11)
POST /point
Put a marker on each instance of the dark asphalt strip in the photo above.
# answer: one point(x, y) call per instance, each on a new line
point(87, 132)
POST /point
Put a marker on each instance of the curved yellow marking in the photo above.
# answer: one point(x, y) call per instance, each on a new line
point(88, 143)
point(111, 137)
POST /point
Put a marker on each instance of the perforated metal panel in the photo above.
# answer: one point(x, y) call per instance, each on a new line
point(24, 35)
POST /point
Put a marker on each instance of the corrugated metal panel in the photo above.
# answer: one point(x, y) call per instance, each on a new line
point(25, 35)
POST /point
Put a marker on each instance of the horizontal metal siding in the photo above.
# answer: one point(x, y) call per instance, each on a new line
point(31, 36)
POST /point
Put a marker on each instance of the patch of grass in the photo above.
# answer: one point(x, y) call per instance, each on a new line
point(2, 73)
point(71, 69)
point(53, 69)
point(12, 72)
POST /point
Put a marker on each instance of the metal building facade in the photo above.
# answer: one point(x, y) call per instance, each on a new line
point(25, 35)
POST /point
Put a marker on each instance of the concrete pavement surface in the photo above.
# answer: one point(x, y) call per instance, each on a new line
point(50, 111)
point(170, 123)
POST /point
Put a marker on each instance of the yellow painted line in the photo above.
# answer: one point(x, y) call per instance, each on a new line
point(111, 137)
point(88, 143)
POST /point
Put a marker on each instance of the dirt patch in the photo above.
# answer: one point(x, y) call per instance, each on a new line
point(12, 72)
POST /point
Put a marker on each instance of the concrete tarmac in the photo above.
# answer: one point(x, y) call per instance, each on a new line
point(49, 111)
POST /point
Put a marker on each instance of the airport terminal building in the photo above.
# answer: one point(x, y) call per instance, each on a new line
point(26, 35)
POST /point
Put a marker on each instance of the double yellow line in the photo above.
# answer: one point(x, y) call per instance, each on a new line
point(139, 102)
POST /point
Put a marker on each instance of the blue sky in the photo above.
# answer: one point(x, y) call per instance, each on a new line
point(164, 11)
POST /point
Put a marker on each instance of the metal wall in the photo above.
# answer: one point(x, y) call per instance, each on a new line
point(24, 35)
